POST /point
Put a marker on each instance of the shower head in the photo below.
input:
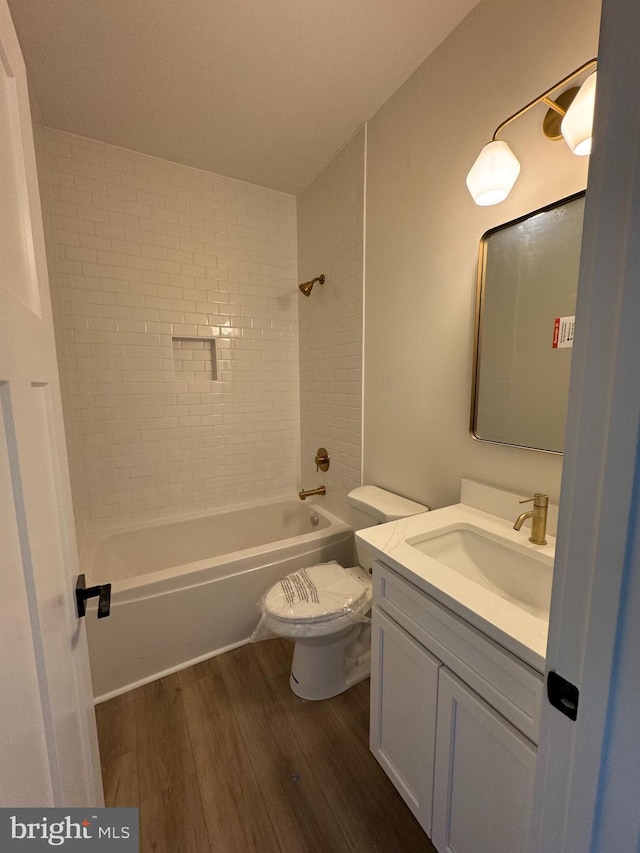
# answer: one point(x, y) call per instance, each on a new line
point(306, 286)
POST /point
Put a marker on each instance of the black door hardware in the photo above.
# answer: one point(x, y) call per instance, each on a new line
point(83, 593)
point(563, 695)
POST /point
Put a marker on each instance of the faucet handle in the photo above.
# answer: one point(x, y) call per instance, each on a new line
point(539, 499)
point(322, 459)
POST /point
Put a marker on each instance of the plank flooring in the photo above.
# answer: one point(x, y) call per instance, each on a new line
point(224, 758)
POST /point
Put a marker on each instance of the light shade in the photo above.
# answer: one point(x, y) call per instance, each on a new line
point(577, 124)
point(493, 174)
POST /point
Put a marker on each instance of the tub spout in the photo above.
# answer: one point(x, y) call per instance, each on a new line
point(303, 495)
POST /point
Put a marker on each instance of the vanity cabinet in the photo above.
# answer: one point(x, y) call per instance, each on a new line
point(454, 721)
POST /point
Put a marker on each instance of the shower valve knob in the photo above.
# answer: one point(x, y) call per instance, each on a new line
point(322, 459)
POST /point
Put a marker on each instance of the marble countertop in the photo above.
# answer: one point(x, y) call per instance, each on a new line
point(515, 629)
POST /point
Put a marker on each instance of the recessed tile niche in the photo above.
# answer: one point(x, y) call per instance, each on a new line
point(194, 359)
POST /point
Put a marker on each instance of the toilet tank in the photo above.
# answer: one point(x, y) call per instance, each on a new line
point(370, 505)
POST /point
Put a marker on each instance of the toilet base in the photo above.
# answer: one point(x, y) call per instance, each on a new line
point(321, 669)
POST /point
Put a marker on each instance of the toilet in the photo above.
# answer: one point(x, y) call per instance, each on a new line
point(324, 608)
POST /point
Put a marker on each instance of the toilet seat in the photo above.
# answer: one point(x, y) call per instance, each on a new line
point(318, 600)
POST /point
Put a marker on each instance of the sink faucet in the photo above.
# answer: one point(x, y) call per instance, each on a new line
point(538, 516)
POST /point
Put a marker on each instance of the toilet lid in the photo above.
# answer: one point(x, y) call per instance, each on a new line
point(316, 594)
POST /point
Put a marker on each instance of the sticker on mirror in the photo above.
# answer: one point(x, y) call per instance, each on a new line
point(563, 329)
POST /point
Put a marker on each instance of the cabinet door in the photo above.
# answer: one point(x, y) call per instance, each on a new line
point(404, 692)
point(484, 776)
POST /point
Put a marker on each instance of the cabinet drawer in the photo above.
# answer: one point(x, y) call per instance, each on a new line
point(505, 682)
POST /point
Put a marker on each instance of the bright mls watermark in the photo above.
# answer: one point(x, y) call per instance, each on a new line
point(102, 830)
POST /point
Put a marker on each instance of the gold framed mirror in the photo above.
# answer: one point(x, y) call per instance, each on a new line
point(525, 312)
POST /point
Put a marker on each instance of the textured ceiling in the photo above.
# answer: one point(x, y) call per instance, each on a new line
point(261, 90)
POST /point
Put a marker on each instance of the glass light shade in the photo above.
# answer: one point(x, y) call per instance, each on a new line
point(494, 173)
point(577, 124)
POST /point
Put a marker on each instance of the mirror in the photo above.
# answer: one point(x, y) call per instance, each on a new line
point(527, 283)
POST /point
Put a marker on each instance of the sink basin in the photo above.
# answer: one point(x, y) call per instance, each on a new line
point(468, 558)
point(519, 575)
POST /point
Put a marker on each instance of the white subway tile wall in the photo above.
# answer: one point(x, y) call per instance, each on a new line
point(330, 241)
point(148, 251)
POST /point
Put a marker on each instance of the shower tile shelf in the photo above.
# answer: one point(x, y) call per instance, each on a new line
point(194, 358)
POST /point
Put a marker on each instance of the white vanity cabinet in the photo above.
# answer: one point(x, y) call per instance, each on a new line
point(454, 721)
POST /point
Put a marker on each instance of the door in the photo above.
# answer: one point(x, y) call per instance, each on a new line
point(48, 745)
point(404, 694)
point(588, 782)
point(484, 776)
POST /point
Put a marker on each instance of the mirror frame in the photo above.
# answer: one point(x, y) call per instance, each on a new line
point(480, 280)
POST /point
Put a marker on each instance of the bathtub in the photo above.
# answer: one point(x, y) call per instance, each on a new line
point(187, 590)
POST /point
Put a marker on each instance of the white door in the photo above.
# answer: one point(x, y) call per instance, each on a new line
point(48, 745)
point(588, 784)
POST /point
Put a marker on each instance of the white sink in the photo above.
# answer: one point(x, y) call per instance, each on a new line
point(519, 576)
point(473, 562)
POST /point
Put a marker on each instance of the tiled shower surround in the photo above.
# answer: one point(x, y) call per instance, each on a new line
point(330, 241)
point(150, 256)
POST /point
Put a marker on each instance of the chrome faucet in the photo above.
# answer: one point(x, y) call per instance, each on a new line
point(538, 516)
point(303, 495)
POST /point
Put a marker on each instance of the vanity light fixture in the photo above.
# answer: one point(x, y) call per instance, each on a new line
point(569, 116)
point(577, 124)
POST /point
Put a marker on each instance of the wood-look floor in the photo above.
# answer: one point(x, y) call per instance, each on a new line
point(224, 758)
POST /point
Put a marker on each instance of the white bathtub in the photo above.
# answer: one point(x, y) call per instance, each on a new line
point(186, 590)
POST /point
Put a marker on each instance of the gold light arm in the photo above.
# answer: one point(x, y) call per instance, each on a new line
point(544, 98)
point(553, 105)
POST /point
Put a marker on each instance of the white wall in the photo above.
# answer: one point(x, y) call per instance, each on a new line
point(147, 250)
point(423, 231)
point(330, 241)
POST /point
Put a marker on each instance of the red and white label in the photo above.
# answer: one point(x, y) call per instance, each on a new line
point(563, 329)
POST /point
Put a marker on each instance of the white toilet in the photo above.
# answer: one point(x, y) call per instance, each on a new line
point(324, 607)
